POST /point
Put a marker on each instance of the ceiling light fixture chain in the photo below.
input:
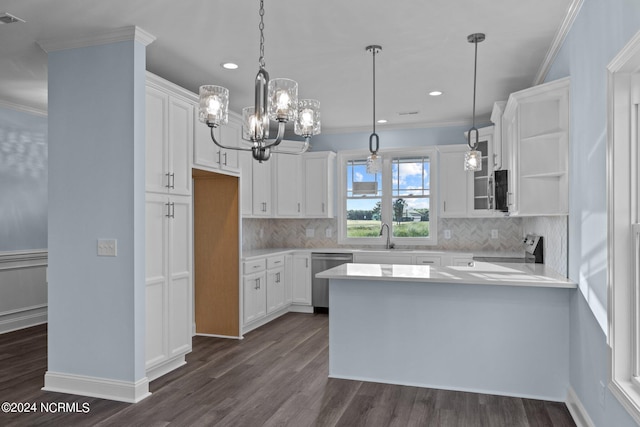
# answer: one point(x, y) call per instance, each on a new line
point(261, 28)
point(275, 100)
point(374, 161)
point(473, 158)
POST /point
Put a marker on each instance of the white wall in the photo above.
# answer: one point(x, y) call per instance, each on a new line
point(601, 29)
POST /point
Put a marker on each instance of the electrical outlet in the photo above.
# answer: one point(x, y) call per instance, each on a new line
point(601, 393)
point(107, 247)
point(494, 234)
point(447, 234)
point(328, 232)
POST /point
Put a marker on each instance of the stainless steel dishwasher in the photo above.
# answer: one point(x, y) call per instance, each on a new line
point(320, 287)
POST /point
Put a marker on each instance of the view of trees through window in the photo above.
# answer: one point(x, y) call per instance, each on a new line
point(405, 208)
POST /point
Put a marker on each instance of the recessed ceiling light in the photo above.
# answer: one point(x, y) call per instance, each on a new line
point(230, 65)
point(381, 121)
point(7, 18)
point(435, 93)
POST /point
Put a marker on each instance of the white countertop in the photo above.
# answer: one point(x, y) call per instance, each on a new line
point(481, 273)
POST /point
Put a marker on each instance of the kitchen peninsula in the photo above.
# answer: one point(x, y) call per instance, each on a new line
point(489, 328)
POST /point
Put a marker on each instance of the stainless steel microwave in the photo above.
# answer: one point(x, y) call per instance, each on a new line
point(501, 190)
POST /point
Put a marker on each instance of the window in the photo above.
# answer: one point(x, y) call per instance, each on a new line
point(623, 212)
point(400, 196)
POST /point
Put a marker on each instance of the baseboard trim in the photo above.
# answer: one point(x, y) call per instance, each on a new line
point(301, 308)
point(577, 410)
point(122, 391)
point(165, 368)
point(22, 318)
point(219, 336)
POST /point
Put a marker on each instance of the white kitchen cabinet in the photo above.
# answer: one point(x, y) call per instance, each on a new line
point(454, 181)
point(261, 176)
point(536, 128)
point(275, 284)
point(499, 152)
point(480, 190)
point(288, 279)
point(169, 137)
point(246, 183)
point(206, 153)
point(301, 279)
point(168, 281)
point(288, 186)
point(319, 172)
point(433, 260)
point(254, 296)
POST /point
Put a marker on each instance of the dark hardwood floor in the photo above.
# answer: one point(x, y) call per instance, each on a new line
point(276, 376)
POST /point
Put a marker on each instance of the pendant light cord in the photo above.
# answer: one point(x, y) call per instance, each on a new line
point(374, 89)
point(475, 70)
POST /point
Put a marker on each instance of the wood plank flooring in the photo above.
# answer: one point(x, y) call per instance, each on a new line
point(276, 376)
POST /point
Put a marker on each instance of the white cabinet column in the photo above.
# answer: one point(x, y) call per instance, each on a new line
point(97, 191)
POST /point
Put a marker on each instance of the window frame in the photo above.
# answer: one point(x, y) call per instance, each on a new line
point(623, 231)
point(387, 194)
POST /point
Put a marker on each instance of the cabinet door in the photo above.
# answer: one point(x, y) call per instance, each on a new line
point(157, 140)
point(318, 201)
point(230, 135)
point(205, 151)
point(246, 182)
point(301, 279)
point(453, 182)
point(275, 290)
point(262, 205)
point(288, 279)
point(288, 186)
point(156, 270)
point(254, 293)
point(179, 285)
point(180, 141)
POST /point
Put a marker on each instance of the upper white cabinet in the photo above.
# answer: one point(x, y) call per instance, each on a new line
point(454, 181)
point(498, 147)
point(481, 197)
point(288, 186)
point(169, 136)
point(261, 187)
point(206, 153)
point(536, 129)
point(319, 173)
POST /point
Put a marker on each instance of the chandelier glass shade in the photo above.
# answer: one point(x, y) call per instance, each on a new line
point(275, 100)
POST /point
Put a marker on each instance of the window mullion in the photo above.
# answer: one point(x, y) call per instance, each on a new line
point(387, 193)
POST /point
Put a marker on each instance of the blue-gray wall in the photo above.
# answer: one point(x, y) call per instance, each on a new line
point(23, 180)
point(601, 30)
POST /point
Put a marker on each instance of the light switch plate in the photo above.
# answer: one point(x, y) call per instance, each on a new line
point(107, 247)
point(328, 232)
point(494, 234)
point(447, 234)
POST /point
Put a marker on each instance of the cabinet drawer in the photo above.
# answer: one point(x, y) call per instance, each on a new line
point(254, 265)
point(275, 261)
point(428, 260)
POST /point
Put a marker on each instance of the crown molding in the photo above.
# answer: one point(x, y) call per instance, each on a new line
point(558, 40)
point(121, 34)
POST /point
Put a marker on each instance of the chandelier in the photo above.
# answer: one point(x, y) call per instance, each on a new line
point(374, 161)
point(473, 158)
point(275, 99)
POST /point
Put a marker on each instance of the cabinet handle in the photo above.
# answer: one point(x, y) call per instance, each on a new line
point(298, 207)
point(257, 283)
point(225, 158)
point(427, 262)
point(278, 277)
point(171, 210)
point(444, 206)
point(322, 207)
point(306, 262)
point(218, 153)
point(168, 175)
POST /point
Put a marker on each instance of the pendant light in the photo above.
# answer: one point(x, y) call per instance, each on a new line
point(374, 161)
point(275, 99)
point(473, 158)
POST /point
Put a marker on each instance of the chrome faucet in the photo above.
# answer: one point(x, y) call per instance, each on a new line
point(389, 244)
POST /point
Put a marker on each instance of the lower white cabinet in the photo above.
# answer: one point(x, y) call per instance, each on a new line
point(168, 282)
point(254, 296)
point(301, 279)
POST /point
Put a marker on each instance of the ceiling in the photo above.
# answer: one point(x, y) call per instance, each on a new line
point(320, 44)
